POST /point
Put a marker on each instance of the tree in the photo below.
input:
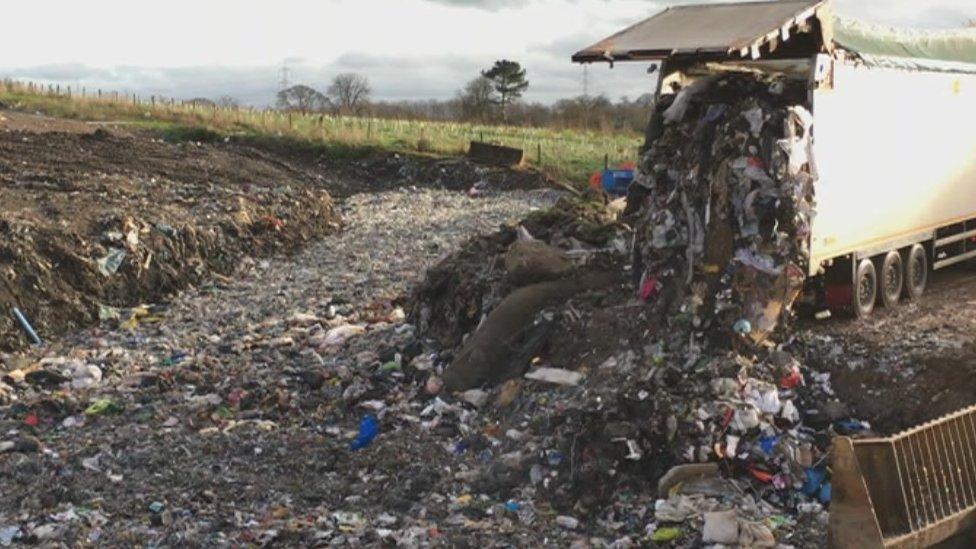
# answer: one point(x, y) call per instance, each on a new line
point(349, 92)
point(228, 102)
point(584, 111)
point(477, 99)
point(508, 79)
point(301, 98)
point(971, 23)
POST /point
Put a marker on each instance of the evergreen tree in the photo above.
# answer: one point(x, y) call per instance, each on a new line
point(508, 78)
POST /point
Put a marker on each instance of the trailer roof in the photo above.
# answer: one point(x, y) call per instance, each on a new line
point(765, 29)
point(951, 46)
point(708, 28)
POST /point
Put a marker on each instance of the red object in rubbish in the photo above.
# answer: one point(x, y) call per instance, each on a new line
point(755, 162)
point(596, 181)
point(234, 398)
point(727, 418)
point(760, 475)
point(648, 288)
point(791, 380)
point(273, 222)
point(32, 420)
point(627, 166)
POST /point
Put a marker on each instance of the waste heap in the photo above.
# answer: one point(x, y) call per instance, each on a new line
point(728, 199)
point(724, 200)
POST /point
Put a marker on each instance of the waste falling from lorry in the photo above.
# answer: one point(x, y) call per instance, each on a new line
point(727, 200)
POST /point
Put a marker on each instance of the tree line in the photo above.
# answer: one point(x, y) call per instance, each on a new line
point(494, 96)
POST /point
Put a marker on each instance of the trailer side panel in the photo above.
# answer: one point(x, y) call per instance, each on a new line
point(896, 154)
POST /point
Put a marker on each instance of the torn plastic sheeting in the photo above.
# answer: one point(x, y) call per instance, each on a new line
point(109, 264)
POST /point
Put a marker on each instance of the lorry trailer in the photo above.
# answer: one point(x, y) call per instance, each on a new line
point(894, 131)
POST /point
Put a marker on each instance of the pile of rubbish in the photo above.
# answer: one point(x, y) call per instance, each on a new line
point(94, 219)
point(288, 402)
point(724, 201)
point(727, 188)
point(521, 394)
point(693, 391)
point(721, 210)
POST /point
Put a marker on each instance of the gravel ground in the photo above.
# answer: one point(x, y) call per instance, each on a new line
point(392, 237)
point(222, 418)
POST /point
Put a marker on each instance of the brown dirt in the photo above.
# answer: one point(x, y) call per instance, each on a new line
point(906, 365)
point(71, 192)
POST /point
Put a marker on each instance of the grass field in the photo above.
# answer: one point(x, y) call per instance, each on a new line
point(565, 154)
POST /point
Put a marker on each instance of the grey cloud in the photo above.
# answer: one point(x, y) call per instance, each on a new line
point(250, 85)
point(491, 5)
point(392, 77)
point(947, 13)
point(396, 77)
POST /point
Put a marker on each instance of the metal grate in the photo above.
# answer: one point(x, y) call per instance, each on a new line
point(919, 486)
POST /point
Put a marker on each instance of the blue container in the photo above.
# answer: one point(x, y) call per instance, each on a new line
point(616, 181)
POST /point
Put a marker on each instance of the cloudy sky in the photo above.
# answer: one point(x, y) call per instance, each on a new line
point(409, 49)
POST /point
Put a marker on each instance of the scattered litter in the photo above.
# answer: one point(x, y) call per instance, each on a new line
point(368, 429)
point(26, 327)
point(555, 375)
point(109, 264)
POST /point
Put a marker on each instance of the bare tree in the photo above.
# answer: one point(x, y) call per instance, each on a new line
point(349, 92)
point(971, 23)
point(301, 98)
point(477, 99)
point(228, 102)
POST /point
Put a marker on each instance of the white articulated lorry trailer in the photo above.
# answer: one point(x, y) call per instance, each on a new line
point(894, 132)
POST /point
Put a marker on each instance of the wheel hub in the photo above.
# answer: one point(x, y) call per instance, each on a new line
point(866, 289)
point(891, 279)
point(918, 271)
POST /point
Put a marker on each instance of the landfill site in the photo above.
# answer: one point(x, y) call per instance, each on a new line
point(765, 342)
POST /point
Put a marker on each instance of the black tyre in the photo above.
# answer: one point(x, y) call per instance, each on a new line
point(865, 289)
point(916, 272)
point(891, 278)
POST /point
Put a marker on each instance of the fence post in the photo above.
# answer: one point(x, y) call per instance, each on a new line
point(538, 154)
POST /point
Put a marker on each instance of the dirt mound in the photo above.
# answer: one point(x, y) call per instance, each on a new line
point(465, 286)
point(99, 219)
point(381, 170)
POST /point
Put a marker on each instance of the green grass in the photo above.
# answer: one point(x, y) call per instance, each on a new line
point(566, 154)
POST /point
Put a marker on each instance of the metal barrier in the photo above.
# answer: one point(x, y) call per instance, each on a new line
point(915, 489)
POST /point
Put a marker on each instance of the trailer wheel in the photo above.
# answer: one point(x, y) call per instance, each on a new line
point(865, 289)
point(891, 279)
point(916, 272)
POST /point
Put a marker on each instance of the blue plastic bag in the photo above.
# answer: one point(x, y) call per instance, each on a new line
point(815, 479)
point(368, 429)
